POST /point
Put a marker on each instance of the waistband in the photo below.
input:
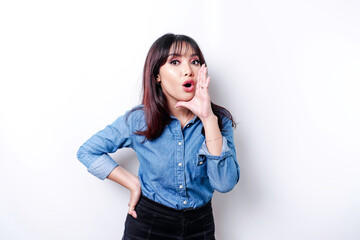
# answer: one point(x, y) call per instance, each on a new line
point(155, 206)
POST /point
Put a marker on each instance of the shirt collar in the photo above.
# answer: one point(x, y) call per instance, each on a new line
point(191, 121)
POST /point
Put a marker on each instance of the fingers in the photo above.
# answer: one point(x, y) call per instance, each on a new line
point(198, 83)
point(203, 80)
point(203, 76)
point(207, 82)
point(134, 199)
point(132, 213)
point(131, 210)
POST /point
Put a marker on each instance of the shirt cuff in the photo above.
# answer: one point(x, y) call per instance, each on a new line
point(204, 152)
point(102, 166)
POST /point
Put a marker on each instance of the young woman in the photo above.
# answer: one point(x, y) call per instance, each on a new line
point(184, 144)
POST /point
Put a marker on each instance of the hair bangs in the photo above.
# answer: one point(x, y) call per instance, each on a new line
point(182, 45)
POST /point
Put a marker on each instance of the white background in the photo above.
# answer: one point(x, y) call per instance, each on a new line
point(289, 72)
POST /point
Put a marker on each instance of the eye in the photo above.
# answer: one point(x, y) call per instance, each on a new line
point(196, 62)
point(174, 62)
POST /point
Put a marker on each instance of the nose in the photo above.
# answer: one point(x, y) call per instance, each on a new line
point(188, 71)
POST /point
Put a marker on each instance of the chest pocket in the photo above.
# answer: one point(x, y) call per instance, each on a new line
point(200, 167)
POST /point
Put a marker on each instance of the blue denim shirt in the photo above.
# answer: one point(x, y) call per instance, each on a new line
point(176, 169)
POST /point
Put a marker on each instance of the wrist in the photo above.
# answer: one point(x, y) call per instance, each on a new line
point(211, 119)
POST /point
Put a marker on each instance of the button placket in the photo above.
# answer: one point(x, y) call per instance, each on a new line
point(180, 170)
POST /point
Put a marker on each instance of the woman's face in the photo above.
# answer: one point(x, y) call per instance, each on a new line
point(178, 76)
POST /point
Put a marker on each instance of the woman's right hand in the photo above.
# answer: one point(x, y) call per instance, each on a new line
point(134, 199)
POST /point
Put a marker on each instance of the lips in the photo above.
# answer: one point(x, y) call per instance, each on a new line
point(188, 86)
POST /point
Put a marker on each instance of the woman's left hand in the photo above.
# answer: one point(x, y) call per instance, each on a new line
point(200, 104)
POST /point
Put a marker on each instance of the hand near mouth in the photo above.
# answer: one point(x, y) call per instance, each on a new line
point(200, 104)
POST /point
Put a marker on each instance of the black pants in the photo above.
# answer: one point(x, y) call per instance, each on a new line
point(155, 222)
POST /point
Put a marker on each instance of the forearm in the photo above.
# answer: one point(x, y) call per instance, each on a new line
point(222, 169)
point(129, 181)
point(213, 136)
point(125, 178)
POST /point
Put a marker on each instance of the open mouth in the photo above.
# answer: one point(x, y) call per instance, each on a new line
point(188, 83)
point(189, 86)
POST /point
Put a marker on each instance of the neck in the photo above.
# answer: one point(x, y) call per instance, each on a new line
point(181, 113)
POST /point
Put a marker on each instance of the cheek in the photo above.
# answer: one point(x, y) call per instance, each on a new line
point(169, 83)
point(168, 75)
point(196, 71)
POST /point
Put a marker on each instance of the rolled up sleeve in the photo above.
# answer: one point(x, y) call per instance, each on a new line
point(102, 165)
point(94, 152)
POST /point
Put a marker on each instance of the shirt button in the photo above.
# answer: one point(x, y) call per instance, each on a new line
point(188, 125)
point(179, 143)
point(181, 186)
point(184, 202)
point(201, 163)
point(179, 164)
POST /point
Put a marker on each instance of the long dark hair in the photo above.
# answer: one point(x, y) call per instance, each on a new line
point(155, 105)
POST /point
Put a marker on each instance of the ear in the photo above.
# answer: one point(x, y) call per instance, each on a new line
point(158, 79)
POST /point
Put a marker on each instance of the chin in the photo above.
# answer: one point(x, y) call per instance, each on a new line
point(187, 98)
